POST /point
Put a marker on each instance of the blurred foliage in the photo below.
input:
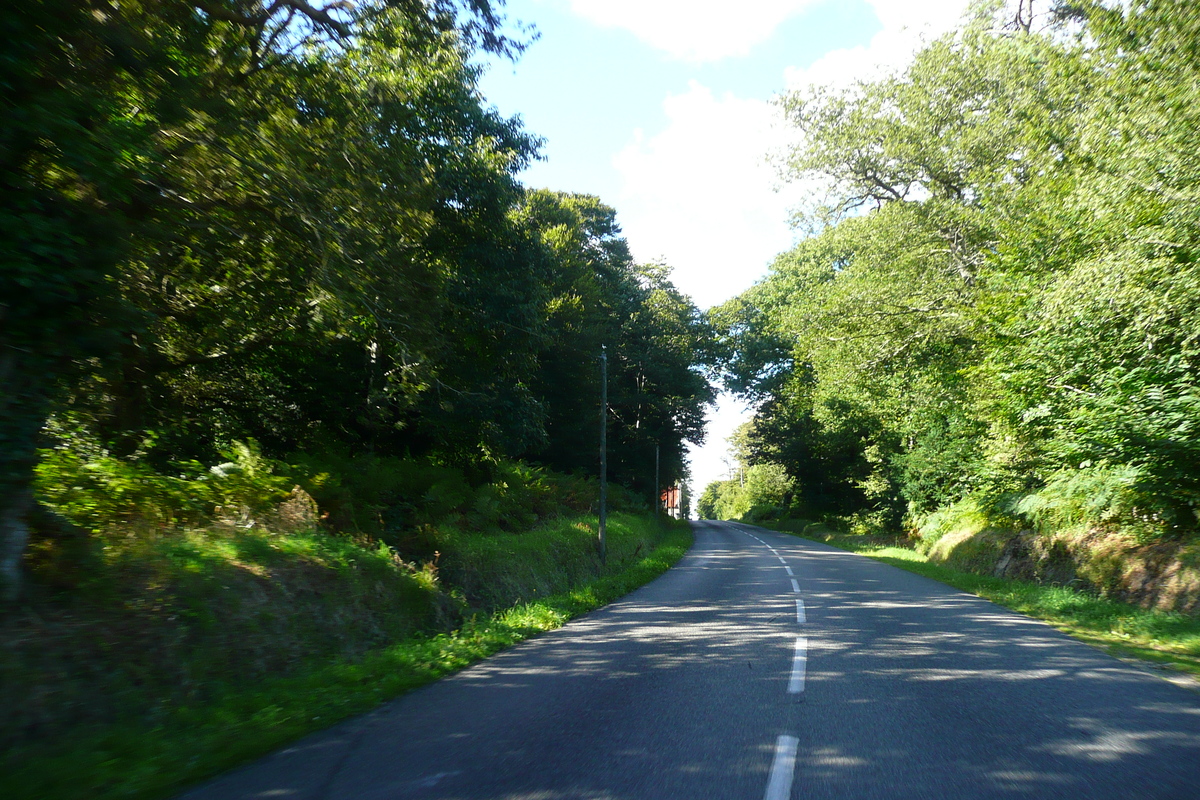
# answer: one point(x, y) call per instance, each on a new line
point(766, 491)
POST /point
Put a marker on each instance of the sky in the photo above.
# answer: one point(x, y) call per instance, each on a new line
point(663, 109)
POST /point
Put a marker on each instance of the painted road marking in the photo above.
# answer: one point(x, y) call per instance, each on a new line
point(783, 768)
point(789, 570)
point(799, 666)
point(795, 586)
point(801, 617)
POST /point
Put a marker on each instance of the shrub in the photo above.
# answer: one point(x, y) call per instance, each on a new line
point(1094, 495)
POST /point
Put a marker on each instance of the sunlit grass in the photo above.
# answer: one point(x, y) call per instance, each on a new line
point(188, 744)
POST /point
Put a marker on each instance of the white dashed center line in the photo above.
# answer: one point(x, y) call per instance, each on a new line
point(783, 766)
point(799, 666)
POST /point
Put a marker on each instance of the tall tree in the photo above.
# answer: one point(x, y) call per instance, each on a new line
point(129, 123)
point(1004, 291)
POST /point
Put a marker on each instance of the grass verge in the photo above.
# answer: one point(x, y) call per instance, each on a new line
point(192, 743)
point(1166, 640)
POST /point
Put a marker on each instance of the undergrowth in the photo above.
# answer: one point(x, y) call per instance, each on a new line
point(237, 698)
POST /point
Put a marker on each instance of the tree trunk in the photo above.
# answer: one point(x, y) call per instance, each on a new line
point(14, 535)
point(23, 409)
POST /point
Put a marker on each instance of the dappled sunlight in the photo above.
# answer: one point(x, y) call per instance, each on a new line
point(832, 757)
point(1028, 779)
point(904, 671)
point(1098, 742)
point(991, 675)
point(683, 687)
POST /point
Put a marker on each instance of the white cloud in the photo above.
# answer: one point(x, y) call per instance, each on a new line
point(701, 30)
point(710, 463)
point(700, 193)
point(906, 23)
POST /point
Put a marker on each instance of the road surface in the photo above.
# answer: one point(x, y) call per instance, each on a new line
point(766, 666)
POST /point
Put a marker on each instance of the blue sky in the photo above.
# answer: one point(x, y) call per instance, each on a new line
point(586, 88)
point(662, 109)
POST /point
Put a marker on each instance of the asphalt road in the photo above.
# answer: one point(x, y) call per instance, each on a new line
point(713, 682)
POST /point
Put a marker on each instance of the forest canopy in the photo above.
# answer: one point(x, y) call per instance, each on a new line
point(999, 304)
point(297, 228)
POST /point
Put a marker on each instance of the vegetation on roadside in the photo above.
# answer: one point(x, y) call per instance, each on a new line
point(991, 337)
point(298, 383)
point(1166, 638)
point(192, 652)
point(300, 224)
point(154, 592)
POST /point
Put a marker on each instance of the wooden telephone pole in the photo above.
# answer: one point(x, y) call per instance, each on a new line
point(603, 450)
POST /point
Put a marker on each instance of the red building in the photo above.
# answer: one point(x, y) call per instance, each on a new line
point(670, 501)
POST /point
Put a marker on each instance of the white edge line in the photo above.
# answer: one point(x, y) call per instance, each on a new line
point(801, 617)
point(799, 666)
point(783, 768)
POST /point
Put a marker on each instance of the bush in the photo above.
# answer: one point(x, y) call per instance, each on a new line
point(1094, 495)
point(967, 516)
point(94, 490)
point(168, 620)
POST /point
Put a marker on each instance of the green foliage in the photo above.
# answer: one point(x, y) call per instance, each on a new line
point(398, 501)
point(967, 516)
point(766, 492)
point(253, 259)
point(1092, 495)
point(250, 714)
point(97, 490)
point(1000, 299)
point(719, 500)
point(656, 342)
point(163, 621)
point(306, 231)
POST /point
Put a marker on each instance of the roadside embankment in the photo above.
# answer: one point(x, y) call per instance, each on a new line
point(1162, 575)
point(187, 653)
point(1167, 639)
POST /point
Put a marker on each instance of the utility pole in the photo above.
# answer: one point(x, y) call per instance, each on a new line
point(657, 493)
point(603, 450)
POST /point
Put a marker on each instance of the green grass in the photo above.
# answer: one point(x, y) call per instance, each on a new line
point(498, 570)
point(1167, 639)
point(186, 744)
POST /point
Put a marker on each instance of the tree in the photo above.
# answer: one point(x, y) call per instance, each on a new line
point(1003, 293)
point(142, 124)
point(596, 295)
